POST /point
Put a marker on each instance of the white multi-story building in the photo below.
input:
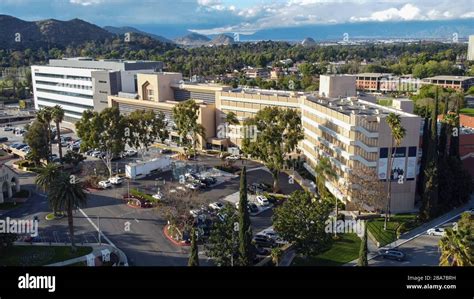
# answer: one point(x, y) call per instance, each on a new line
point(79, 84)
point(470, 48)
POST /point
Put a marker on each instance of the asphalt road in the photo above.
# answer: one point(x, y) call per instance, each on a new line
point(420, 251)
point(138, 232)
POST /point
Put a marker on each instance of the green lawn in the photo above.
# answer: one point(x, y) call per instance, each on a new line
point(39, 255)
point(9, 205)
point(467, 111)
point(385, 102)
point(384, 237)
point(342, 251)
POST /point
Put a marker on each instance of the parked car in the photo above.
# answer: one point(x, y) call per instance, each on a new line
point(19, 147)
point(130, 153)
point(105, 184)
point(262, 186)
point(25, 149)
point(438, 231)
point(264, 241)
point(392, 254)
point(7, 129)
point(16, 145)
point(158, 195)
point(190, 176)
point(195, 213)
point(233, 157)
point(192, 186)
point(254, 189)
point(74, 146)
point(262, 251)
point(216, 206)
point(209, 181)
point(270, 233)
point(3, 139)
point(165, 151)
point(262, 200)
point(116, 180)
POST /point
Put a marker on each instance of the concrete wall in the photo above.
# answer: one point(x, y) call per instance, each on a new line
point(160, 83)
point(333, 86)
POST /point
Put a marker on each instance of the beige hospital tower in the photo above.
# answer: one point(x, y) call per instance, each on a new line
point(350, 130)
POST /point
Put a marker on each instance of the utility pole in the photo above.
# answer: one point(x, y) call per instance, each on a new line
point(98, 230)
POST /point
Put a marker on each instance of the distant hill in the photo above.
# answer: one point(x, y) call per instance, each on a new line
point(221, 39)
point(46, 33)
point(123, 30)
point(192, 39)
point(308, 42)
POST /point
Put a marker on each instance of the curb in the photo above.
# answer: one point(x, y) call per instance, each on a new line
point(181, 244)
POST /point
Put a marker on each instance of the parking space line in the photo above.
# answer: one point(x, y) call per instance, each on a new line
point(97, 229)
point(55, 236)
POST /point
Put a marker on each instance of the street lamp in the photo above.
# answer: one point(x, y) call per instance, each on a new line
point(236, 229)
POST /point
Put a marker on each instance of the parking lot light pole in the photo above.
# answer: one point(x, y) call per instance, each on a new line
point(98, 230)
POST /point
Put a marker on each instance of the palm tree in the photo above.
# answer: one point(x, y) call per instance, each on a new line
point(456, 249)
point(196, 130)
point(231, 119)
point(45, 116)
point(398, 133)
point(46, 177)
point(57, 114)
point(324, 171)
point(67, 195)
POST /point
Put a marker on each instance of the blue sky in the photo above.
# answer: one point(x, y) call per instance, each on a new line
point(242, 16)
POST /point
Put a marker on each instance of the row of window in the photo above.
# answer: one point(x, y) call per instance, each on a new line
point(59, 76)
point(67, 85)
point(65, 103)
point(75, 114)
point(65, 93)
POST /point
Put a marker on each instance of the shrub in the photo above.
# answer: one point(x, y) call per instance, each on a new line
point(22, 194)
point(142, 196)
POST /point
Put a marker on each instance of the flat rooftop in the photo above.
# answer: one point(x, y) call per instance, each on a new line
point(452, 78)
point(105, 64)
point(269, 92)
point(376, 75)
point(353, 105)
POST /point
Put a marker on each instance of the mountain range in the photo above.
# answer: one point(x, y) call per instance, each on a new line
point(128, 29)
point(16, 33)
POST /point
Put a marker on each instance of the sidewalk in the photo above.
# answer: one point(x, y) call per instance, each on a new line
point(97, 251)
point(373, 250)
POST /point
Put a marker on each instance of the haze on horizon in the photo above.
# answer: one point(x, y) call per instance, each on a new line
point(245, 17)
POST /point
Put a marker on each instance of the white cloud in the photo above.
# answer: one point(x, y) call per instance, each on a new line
point(85, 2)
point(292, 13)
point(408, 12)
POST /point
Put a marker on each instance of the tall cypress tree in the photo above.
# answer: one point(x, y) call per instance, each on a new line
point(424, 158)
point(430, 194)
point(193, 257)
point(443, 134)
point(461, 179)
point(363, 261)
point(245, 230)
point(454, 141)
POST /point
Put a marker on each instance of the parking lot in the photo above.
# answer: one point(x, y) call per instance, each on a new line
point(139, 232)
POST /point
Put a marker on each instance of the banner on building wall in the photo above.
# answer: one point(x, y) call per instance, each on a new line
point(383, 163)
point(398, 165)
point(412, 163)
